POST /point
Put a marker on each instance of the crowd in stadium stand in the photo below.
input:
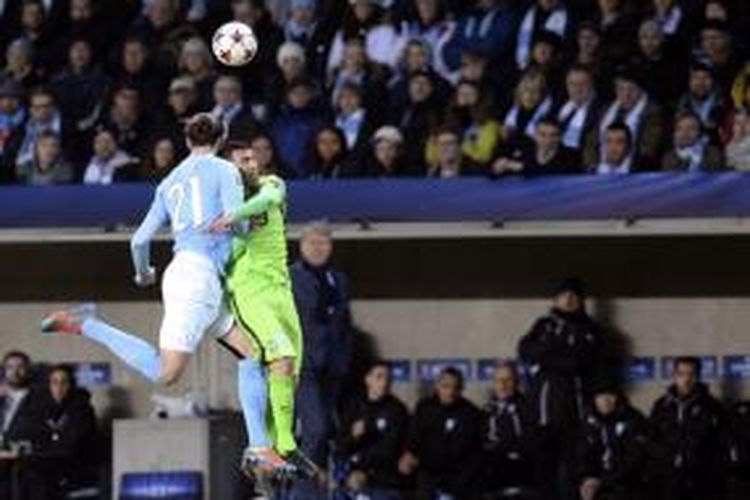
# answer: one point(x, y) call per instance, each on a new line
point(97, 92)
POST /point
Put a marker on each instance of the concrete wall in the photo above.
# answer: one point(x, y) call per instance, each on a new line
point(405, 329)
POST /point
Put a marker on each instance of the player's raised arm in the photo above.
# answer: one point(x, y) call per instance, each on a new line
point(271, 194)
point(140, 244)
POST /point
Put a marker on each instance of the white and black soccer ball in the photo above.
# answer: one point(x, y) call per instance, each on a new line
point(234, 44)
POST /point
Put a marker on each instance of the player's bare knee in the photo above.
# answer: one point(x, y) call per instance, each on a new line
point(283, 367)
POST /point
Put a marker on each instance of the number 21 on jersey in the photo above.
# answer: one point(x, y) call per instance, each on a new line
point(187, 205)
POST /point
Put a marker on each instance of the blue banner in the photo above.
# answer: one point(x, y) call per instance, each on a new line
point(428, 370)
point(641, 369)
point(93, 375)
point(656, 195)
point(400, 370)
point(709, 367)
point(737, 367)
point(485, 369)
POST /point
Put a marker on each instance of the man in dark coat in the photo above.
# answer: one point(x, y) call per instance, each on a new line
point(372, 436)
point(563, 352)
point(511, 440)
point(612, 448)
point(444, 444)
point(322, 298)
point(21, 424)
point(686, 424)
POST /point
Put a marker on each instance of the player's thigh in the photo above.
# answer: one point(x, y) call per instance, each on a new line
point(258, 319)
point(192, 298)
point(289, 320)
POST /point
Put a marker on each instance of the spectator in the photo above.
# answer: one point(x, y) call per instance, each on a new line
point(662, 71)
point(12, 117)
point(617, 155)
point(266, 153)
point(294, 128)
point(109, 163)
point(691, 149)
point(197, 62)
point(160, 27)
point(547, 15)
point(180, 107)
point(420, 115)
point(81, 89)
point(48, 165)
point(21, 422)
point(737, 451)
point(510, 436)
point(612, 448)
point(426, 23)
point(270, 37)
point(546, 57)
point(330, 156)
point(20, 65)
point(322, 297)
point(416, 57)
point(577, 114)
point(619, 31)
point(450, 159)
point(34, 27)
point(126, 120)
point(44, 116)
point(563, 351)
point(386, 158)
point(357, 69)
point(741, 87)
point(738, 148)
point(139, 71)
point(443, 447)
point(470, 112)
point(230, 109)
point(292, 65)
point(673, 21)
point(162, 158)
point(352, 118)
point(643, 117)
point(366, 19)
point(704, 99)
point(588, 49)
point(717, 50)
point(372, 435)
point(488, 27)
point(312, 34)
point(686, 425)
point(531, 104)
point(544, 156)
point(86, 22)
point(70, 436)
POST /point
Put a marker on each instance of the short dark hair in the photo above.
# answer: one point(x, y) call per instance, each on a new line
point(693, 361)
point(203, 130)
point(452, 371)
point(17, 354)
point(621, 127)
point(66, 368)
point(550, 121)
point(378, 364)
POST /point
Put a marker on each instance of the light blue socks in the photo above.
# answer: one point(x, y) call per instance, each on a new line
point(134, 351)
point(253, 393)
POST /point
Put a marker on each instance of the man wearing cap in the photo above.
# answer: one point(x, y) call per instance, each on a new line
point(563, 352)
point(637, 110)
point(612, 448)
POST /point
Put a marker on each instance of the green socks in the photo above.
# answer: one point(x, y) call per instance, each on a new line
point(281, 393)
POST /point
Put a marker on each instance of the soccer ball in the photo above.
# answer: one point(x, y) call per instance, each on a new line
point(234, 44)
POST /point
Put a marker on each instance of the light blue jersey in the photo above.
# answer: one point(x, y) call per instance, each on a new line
point(201, 189)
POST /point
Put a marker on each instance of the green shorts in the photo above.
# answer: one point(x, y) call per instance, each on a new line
point(270, 319)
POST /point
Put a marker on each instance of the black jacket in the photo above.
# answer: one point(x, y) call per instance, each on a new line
point(614, 449)
point(377, 452)
point(511, 444)
point(563, 352)
point(322, 299)
point(737, 441)
point(447, 442)
point(686, 440)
